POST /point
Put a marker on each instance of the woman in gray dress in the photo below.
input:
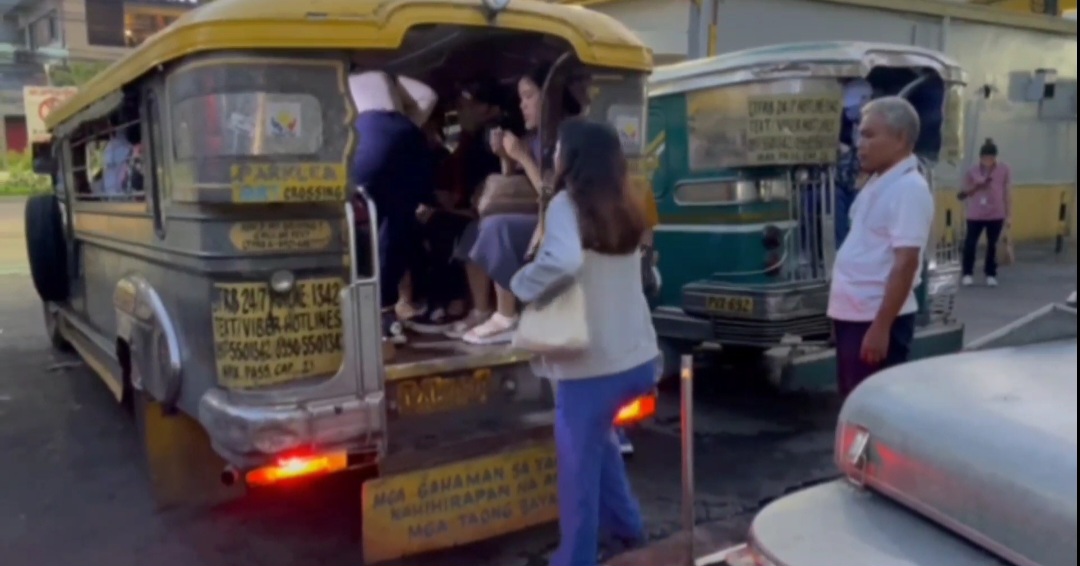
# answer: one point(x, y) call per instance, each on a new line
point(503, 240)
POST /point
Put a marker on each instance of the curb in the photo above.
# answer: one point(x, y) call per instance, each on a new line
point(710, 545)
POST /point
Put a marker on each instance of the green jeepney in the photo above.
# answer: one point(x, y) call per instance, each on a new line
point(746, 148)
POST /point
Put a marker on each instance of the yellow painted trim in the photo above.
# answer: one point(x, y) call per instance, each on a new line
point(236, 25)
point(939, 8)
point(1035, 211)
point(968, 12)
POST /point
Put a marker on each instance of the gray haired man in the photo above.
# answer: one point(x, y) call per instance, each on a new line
point(872, 300)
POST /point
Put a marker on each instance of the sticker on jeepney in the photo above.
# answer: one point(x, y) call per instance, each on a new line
point(283, 120)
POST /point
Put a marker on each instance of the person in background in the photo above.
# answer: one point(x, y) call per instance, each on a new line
point(396, 167)
point(856, 94)
point(593, 230)
point(987, 196)
point(872, 295)
point(116, 160)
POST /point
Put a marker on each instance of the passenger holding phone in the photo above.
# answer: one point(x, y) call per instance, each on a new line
point(987, 196)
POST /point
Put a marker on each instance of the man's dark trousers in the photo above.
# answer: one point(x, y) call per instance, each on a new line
point(851, 370)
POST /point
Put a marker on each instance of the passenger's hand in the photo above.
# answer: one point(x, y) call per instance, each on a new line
point(513, 147)
point(423, 213)
point(495, 139)
point(875, 345)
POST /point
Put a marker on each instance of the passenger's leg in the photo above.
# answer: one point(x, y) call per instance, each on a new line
point(501, 245)
point(579, 436)
point(971, 245)
point(850, 369)
point(993, 234)
point(395, 233)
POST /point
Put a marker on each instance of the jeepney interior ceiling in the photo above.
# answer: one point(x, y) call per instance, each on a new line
point(445, 57)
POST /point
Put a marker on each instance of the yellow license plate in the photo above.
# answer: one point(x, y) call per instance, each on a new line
point(265, 338)
point(729, 304)
point(437, 394)
point(459, 503)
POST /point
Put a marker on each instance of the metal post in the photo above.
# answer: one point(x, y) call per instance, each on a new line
point(687, 420)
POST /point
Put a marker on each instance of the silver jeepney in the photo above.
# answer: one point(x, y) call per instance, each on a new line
point(961, 460)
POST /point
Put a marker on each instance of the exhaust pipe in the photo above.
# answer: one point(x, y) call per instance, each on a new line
point(230, 476)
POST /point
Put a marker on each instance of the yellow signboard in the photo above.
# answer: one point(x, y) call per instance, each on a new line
point(281, 235)
point(793, 129)
point(738, 127)
point(459, 503)
point(38, 102)
point(263, 338)
point(288, 182)
point(436, 394)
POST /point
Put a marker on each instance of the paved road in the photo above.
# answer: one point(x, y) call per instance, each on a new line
point(73, 493)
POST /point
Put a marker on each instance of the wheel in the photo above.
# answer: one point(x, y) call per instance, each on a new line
point(46, 248)
point(52, 328)
point(671, 353)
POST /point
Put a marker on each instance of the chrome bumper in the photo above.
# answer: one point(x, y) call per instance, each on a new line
point(247, 436)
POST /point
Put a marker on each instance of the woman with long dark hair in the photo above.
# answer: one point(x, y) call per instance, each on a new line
point(593, 228)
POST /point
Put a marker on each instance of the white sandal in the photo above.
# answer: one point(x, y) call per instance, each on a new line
point(472, 320)
point(499, 329)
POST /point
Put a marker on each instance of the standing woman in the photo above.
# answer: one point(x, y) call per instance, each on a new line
point(593, 228)
point(987, 197)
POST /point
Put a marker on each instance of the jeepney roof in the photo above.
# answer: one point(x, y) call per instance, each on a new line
point(798, 60)
point(983, 443)
point(238, 25)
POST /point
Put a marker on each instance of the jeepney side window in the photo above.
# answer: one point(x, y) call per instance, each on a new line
point(619, 99)
point(106, 160)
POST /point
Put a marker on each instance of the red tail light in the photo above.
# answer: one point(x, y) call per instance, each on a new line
point(289, 467)
point(638, 410)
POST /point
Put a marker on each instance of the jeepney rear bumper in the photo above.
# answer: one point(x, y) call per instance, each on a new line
point(248, 436)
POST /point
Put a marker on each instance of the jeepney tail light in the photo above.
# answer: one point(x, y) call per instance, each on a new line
point(638, 410)
point(296, 466)
point(746, 556)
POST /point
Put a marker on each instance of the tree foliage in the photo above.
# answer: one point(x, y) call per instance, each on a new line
point(75, 73)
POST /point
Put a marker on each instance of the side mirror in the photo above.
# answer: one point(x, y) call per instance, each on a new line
point(43, 162)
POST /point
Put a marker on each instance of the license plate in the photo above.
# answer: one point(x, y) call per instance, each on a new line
point(440, 394)
point(468, 501)
point(729, 304)
point(265, 338)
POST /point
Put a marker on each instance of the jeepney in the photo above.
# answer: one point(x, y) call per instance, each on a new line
point(744, 148)
point(220, 291)
point(965, 460)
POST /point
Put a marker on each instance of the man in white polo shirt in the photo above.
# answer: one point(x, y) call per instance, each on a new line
point(872, 300)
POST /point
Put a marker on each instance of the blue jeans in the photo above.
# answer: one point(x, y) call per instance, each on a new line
point(594, 490)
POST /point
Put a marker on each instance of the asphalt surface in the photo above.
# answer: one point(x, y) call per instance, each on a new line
point(73, 491)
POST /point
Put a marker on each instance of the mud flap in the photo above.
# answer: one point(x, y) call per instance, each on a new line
point(455, 504)
point(184, 469)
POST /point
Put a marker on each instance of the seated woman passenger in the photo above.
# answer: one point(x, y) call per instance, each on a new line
point(395, 165)
point(503, 240)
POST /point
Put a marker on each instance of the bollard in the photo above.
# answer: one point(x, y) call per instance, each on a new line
point(686, 412)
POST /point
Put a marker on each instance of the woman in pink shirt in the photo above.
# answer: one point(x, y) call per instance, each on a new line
point(987, 199)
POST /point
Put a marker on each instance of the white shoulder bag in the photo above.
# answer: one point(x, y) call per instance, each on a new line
point(557, 326)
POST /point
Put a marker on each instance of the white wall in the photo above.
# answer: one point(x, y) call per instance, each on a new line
point(663, 25)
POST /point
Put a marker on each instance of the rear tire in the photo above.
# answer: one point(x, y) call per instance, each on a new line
point(46, 247)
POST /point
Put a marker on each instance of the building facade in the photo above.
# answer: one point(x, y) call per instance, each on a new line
point(999, 44)
point(36, 35)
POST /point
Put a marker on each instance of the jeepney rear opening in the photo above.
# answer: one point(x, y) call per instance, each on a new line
point(257, 141)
